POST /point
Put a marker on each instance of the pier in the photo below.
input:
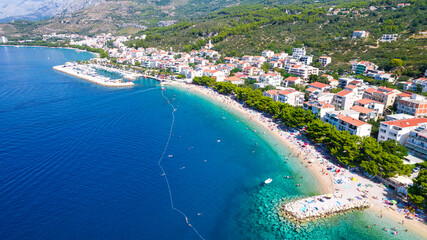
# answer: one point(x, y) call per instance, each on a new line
point(87, 73)
point(126, 74)
point(322, 206)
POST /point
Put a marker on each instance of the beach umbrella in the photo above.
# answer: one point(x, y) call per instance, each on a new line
point(393, 202)
point(354, 179)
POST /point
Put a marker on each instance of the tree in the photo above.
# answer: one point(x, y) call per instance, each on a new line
point(418, 191)
point(335, 90)
point(266, 67)
point(225, 87)
point(103, 55)
point(318, 130)
point(395, 63)
point(314, 78)
point(395, 148)
point(323, 80)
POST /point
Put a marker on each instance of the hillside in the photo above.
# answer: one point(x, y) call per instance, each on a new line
point(251, 29)
point(98, 16)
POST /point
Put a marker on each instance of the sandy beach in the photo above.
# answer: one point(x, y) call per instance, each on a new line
point(332, 178)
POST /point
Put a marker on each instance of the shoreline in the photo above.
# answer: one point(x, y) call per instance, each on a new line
point(75, 49)
point(316, 167)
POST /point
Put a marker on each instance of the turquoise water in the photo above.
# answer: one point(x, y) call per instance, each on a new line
point(79, 161)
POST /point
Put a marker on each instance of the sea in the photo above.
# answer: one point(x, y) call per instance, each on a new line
point(83, 161)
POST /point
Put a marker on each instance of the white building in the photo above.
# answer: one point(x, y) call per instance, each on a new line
point(273, 79)
point(218, 75)
point(267, 53)
point(360, 34)
point(346, 123)
point(324, 60)
point(235, 80)
point(399, 129)
point(291, 97)
point(297, 53)
point(388, 37)
point(345, 99)
point(416, 142)
point(291, 81)
point(304, 71)
point(307, 60)
point(3, 39)
point(318, 108)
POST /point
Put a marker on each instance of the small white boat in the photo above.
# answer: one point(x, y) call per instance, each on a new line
point(268, 181)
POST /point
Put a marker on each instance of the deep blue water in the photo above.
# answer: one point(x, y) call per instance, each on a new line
point(79, 161)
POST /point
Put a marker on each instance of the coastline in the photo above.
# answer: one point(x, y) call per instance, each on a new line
point(317, 168)
point(75, 49)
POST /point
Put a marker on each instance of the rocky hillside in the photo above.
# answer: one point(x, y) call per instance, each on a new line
point(39, 9)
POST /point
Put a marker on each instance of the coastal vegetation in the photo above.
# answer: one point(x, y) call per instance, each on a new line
point(418, 191)
point(374, 158)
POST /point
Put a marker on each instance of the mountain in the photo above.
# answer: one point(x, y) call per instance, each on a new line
point(39, 9)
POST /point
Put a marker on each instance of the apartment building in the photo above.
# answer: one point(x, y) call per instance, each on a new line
point(414, 105)
point(398, 130)
point(273, 79)
point(417, 142)
point(384, 95)
point(304, 71)
point(318, 108)
point(371, 104)
point(347, 123)
point(291, 81)
point(345, 99)
point(324, 60)
point(291, 97)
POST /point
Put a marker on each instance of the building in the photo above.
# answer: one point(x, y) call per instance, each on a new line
point(304, 71)
point(325, 97)
point(291, 97)
point(415, 105)
point(360, 34)
point(365, 114)
point(344, 81)
point(387, 77)
point(398, 130)
point(416, 142)
point(291, 81)
point(399, 116)
point(267, 53)
point(273, 79)
point(371, 104)
point(218, 75)
point(363, 67)
point(318, 108)
point(234, 80)
point(297, 53)
point(346, 123)
point(324, 60)
point(307, 60)
point(274, 94)
point(388, 38)
point(3, 39)
point(321, 86)
point(344, 99)
point(384, 95)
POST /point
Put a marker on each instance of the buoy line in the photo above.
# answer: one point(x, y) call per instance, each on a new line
point(164, 172)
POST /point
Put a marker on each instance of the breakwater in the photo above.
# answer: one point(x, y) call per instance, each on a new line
point(322, 206)
point(87, 73)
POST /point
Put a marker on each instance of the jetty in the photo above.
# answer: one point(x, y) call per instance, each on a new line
point(322, 206)
point(87, 73)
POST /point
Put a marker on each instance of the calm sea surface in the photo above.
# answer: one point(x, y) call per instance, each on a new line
point(80, 161)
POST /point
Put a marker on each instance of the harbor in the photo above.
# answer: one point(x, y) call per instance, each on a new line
point(126, 74)
point(322, 206)
point(86, 72)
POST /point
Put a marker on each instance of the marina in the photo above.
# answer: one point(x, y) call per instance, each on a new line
point(86, 72)
point(126, 74)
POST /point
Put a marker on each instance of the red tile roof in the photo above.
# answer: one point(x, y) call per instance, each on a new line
point(404, 94)
point(286, 92)
point(233, 79)
point(361, 109)
point(370, 90)
point(292, 79)
point(318, 85)
point(364, 101)
point(343, 93)
point(351, 121)
point(413, 122)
